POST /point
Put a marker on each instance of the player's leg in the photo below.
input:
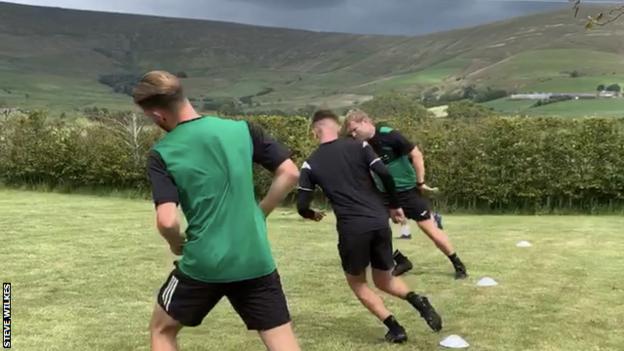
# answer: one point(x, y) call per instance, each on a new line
point(355, 257)
point(262, 306)
point(406, 232)
point(181, 301)
point(163, 331)
point(417, 207)
point(381, 262)
point(441, 240)
point(280, 338)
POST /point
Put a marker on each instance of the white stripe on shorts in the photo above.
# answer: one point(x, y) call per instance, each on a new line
point(167, 290)
point(175, 284)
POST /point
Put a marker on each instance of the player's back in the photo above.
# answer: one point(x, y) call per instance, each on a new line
point(210, 160)
point(343, 172)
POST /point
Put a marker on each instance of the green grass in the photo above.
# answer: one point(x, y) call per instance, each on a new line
point(430, 76)
point(57, 93)
point(539, 64)
point(85, 271)
point(583, 84)
point(572, 108)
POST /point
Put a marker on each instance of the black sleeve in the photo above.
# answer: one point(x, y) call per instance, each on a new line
point(388, 182)
point(163, 187)
point(370, 156)
point(267, 152)
point(400, 144)
point(305, 192)
point(378, 167)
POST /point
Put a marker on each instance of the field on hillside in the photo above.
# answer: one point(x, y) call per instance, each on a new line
point(571, 108)
point(85, 271)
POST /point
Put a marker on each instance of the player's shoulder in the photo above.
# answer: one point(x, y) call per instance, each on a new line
point(385, 130)
point(389, 135)
point(307, 164)
point(353, 143)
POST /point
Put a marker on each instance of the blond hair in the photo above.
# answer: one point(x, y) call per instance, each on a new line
point(354, 115)
point(158, 89)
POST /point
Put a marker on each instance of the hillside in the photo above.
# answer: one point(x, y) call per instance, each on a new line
point(55, 58)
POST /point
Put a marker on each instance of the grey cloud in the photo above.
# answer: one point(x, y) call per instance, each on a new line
point(391, 17)
point(294, 4)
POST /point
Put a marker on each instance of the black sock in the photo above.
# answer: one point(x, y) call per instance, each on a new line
point(411, 296)
point(392, 323)
point(457, 263)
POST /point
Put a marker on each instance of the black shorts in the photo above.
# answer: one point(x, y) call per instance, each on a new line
point(260, 302)
point(415, 206)
point(358, 250)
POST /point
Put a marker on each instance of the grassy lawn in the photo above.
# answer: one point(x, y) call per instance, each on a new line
point(85, 271)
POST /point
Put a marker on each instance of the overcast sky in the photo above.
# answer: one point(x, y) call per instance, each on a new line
point(353, 16)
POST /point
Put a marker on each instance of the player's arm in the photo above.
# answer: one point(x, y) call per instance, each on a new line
point(418, 162)
point(377, 166)
point(165, 195)
point(305, 194)
point(404, 147)
point(275, 158)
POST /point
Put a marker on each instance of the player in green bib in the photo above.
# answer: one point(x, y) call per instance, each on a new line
point(406, 165)
point(204, 164)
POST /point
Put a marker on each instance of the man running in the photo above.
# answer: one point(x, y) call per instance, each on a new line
point(406, 164)
point(341, 167)
point(204, 164)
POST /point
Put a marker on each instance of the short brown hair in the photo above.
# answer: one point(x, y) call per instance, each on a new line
point(158, 89)
point(324, 114)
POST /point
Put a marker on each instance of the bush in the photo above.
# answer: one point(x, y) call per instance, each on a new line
point(501, 164)
point(468, 109)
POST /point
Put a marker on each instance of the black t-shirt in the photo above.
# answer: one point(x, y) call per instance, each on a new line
point(342, 169)
point(267, 152)
point(390, 145)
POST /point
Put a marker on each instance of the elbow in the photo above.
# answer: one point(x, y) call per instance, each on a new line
point(416, 154)
point(167, 221)
point(166, 224)
point(289, 172)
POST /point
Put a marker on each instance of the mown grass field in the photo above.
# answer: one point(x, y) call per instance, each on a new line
point(85, 271)
point(571, 108)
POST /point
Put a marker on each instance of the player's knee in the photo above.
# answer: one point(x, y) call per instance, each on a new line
point(160, 326)
point(383, 285)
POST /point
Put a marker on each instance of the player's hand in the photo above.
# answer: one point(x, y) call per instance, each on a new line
point(397, 215)
point(427, 189)
point(318, 216)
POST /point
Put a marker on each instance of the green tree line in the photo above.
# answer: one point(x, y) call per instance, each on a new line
point(489, 163)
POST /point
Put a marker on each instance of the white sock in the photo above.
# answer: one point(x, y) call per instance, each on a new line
point(405, 229)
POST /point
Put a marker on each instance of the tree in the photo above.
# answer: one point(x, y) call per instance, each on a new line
point(601, 87)
point(129, 127)
point(614, 87)
point(394, 105)
point(230, 108)
point(601, 18)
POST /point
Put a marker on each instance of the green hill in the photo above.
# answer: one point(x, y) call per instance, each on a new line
point(55, 58)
